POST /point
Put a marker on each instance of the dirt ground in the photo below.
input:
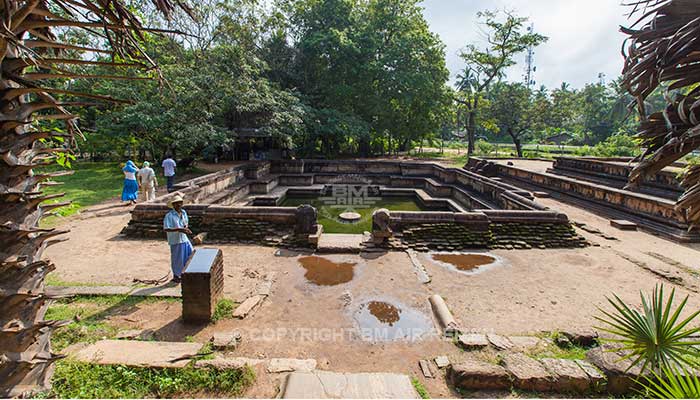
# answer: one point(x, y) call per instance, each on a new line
point(531, 291)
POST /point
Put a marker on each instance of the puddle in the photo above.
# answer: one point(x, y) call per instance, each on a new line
point(385, 321)
point(324, 272)
point(467, 263)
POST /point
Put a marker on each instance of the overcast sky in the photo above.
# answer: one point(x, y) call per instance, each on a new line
point(584, 37)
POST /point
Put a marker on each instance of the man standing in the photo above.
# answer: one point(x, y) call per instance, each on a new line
point(176, 226)
point(147, 181)
point(169, 172)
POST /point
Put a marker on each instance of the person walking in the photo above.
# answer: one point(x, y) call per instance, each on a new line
point(176, 226)
point(169, 172)
point(130, 192)
point(147, 179)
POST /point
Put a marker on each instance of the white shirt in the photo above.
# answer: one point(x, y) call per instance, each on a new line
point(169, 167)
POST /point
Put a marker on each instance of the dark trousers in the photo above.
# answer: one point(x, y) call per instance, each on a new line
point(171, 182)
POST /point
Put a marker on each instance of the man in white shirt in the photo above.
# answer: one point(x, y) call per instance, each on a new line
point(147, 181)
point(169, 172)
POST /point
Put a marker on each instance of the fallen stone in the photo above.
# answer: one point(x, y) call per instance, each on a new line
point(472, 341)
point(499, 342)
point(425, 368)
point(541, 195)
point(443, 315)
point(136, 353)
point(598, 380)
point(418, 267)
point(225, 341)
point(525, 342)
point(278, 365)
point(569, 376)
point(332, 385)
point(562, 341)
point(582, 337)
point(228, 362)
point(476, 375)
point(623, 225)
point(247, 306)
point(619, 379)
point(442, 362)
point(265, 287)
point(528, 374)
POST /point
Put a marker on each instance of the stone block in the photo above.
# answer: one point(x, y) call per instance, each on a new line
point(225, 341)
point(472, 341)
point(569, 376)
point(525, 342)
point(202, 285)
point(499, 342)
point(620, 379)
point(528, 373)
point(623, 225)
point(478, 375)
point(581, 337)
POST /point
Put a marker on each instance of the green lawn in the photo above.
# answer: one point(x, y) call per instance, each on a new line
point(93, 183)
point(328, 215)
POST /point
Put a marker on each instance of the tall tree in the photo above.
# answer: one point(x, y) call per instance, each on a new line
point(512, 109)
point(32, 106)
point(505, 39)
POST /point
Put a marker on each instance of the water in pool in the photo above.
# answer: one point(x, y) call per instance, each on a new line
point(328, 214)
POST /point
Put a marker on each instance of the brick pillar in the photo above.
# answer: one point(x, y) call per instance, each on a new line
point(202, 285)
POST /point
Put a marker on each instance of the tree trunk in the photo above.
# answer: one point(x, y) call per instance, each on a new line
point(471, 128)
point(25, 349)
point(517, 142)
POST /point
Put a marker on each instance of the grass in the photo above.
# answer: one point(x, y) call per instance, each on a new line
point(92, 183)
point(420, 389)
point(82, 380)
point(328, 214)
point(551, 350)
point(89, 314)
point(53, 279)
point(224, 310)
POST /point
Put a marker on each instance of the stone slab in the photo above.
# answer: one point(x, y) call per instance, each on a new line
point(478, 375)
point(598, 380)
point(229, 362)
point(278, 365)
point(525, 342)
point(340, 243)
point(225, 341)
point(499, 342)
point(541, 195)
point(136, 353)
point(569, 376)
point(425, 368)
point(472, 341)
point(158, 291)
point(620, 379)
point(333, 385)
point(442, 361)
point(528, 373)
point(623, 224)
point(247, 306)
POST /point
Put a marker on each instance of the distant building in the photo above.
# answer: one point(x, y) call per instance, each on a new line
point(559, 139)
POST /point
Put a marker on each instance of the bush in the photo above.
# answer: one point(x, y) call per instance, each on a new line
point(485, 148)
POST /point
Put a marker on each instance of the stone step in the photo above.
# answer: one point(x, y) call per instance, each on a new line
point(135, 353)
point(336, 243)
point(334, 385)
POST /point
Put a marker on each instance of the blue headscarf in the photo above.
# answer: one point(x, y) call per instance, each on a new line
point(130, 167)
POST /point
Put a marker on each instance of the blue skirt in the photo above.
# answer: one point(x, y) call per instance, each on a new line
point(179, 254)
point(130, 191)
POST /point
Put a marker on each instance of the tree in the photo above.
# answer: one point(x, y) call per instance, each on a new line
point(504, 40)
point(38, 125)
point(663, 49)
point(512, 109)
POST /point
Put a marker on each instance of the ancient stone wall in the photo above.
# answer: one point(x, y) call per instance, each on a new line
point(447, 231)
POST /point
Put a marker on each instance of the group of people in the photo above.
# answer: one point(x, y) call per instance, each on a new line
point(176, 221)
point(145, 180)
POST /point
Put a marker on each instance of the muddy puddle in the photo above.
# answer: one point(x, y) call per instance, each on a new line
point(387, 321)
point(324, 272)
point(469, 263)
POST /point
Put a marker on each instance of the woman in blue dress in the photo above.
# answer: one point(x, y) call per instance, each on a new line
point(131, 187)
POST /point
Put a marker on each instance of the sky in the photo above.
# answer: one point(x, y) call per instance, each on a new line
point(584, 37)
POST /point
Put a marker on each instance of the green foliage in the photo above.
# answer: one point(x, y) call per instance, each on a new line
point(656, 337)
point(484, 148)
point(83, 380)
point(679, 383)
point(420, 388)
point(224, 310)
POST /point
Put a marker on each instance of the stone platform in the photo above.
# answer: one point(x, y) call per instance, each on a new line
point(333, 385)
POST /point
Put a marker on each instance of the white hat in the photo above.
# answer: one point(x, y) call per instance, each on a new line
point(176, 199)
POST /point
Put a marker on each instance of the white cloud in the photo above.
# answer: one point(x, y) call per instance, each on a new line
point(584, 37)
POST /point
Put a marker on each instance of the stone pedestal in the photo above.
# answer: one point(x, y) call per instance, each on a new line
point(202, 285)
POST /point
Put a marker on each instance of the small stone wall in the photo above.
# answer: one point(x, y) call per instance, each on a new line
point(445, 231)
point(253, 225)
point(649, 212)
point(615, 170)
